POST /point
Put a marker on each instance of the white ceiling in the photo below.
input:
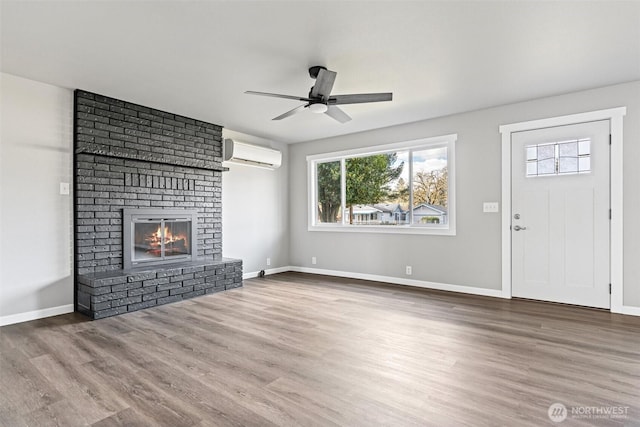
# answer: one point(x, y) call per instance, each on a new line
point(438, 58)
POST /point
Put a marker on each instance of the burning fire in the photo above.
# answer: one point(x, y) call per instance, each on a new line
point(174, 244)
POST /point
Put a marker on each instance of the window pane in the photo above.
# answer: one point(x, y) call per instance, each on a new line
point(430, 186)
point(328, 187)
point(377, 191)
point(568, 149)
point(568, 165)
point(532, 168)
point(532, 153)
point(584, 147)
point(546, 151)
point(584, 164)
point(547, 167)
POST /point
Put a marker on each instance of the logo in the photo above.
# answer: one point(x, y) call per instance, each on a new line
point(557, 412)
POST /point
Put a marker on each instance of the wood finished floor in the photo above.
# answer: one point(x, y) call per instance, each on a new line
point(298, 349)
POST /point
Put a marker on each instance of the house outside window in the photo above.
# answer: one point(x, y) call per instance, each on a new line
point(405, 187)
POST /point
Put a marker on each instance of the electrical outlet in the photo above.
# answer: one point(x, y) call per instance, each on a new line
point(314, 261)
point(64, 188)
point(408, 270)
point(268, 261)
point(490, 207)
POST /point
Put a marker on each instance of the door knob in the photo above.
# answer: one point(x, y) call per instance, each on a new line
point(518, 228)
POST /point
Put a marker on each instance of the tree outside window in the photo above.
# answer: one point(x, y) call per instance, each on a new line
point(329, 195)
point(370, 179)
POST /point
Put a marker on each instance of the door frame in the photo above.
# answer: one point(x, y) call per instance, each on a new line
point(614, 116)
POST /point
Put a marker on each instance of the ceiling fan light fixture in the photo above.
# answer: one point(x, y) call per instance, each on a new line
point(318, 108)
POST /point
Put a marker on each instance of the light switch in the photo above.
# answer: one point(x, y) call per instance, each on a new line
point(64, 188)
point(491, 207)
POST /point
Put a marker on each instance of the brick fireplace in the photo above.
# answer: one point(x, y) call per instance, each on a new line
point(131, 161)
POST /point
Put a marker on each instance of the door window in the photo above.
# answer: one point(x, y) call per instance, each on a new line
point(559, 158)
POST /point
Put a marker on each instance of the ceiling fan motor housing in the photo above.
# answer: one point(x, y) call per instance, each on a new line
point(313, 71)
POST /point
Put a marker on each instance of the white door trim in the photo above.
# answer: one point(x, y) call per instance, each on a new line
point(614, 115)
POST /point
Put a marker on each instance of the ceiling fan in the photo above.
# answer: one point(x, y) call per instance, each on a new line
point(320, 99)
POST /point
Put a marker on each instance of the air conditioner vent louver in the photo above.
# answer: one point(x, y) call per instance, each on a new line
point(251, 155)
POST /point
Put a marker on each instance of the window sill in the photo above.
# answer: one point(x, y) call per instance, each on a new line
point(381, 229)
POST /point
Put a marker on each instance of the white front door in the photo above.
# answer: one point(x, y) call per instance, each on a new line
point(560, 214)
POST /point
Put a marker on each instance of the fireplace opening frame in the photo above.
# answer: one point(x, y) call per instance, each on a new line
point(131, 217)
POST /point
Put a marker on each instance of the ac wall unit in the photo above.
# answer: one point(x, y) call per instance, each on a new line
point(251, 155)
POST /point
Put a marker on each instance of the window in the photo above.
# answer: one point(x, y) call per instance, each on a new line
point(329, 209)
point(397, 188)
point(430, 185)
point(559, 158)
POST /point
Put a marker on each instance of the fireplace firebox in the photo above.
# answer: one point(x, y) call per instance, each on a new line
point(158, 236)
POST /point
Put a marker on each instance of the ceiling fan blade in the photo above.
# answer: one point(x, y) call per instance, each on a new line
point(360, 98)
point(324, 84)
point(336, 113)
point(291, 112)
point(277, 95)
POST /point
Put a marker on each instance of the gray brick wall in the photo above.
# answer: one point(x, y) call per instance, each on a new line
point(127, 155)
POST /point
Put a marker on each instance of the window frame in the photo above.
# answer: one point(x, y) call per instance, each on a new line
point(410, 228)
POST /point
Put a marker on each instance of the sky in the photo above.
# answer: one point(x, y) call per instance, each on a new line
point(423, 160)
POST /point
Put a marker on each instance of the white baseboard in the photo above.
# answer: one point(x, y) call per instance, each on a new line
point(36, 314)
point(629, 310)
point(401, 281)
point(498, 293)
point(266, 272)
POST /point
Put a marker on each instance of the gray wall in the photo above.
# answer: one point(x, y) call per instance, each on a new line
point(35, 235)
point(473, 256)
point(255, 205)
